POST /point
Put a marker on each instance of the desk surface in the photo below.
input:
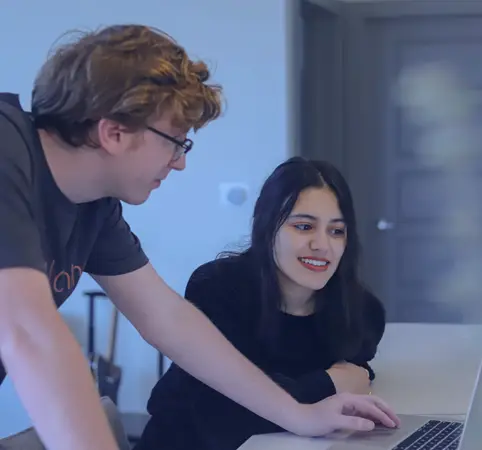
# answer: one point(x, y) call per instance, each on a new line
point(421, 369)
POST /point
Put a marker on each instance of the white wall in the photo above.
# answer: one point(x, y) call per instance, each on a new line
point(183, 225)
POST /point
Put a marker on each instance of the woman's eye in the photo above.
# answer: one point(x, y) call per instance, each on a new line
point(303, 226)
point(338, 231)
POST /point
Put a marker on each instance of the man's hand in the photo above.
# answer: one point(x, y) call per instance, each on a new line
point(348, 377)
point(344, 412)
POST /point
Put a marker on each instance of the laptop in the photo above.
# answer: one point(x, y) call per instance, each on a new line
point(424, 432)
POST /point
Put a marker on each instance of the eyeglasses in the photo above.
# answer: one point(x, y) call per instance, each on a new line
point(182, 147)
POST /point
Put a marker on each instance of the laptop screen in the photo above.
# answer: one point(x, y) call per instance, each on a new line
point(472, 434)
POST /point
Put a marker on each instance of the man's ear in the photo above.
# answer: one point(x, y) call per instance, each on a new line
point(113, 137)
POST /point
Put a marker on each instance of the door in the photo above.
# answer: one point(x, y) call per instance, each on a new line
point(420, 220)
point(319, 89)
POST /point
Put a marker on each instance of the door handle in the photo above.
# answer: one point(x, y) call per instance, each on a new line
point(384, 225)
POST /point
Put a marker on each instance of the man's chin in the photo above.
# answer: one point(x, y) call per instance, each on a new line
point(135, 200)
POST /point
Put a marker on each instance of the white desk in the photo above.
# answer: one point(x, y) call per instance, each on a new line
point(421, 369)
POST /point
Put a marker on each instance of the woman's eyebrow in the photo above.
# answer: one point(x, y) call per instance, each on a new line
point(303, 216)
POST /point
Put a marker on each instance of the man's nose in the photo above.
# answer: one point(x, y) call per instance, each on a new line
point(179, 164)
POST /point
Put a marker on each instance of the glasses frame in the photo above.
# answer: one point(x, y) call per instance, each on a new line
point(182, 147)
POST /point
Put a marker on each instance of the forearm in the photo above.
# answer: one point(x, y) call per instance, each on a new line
point(56, 388)
point(194, 343)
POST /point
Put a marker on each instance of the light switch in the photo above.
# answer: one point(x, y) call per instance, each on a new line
point(233, 194)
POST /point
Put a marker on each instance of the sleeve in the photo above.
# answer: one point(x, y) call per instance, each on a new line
point(215, 290)
point(317, 385)
point(374, 328)
point(117, 249)
point(310, 388)
point(20, 242)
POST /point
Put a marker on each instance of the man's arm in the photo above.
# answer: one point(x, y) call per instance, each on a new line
point(40, 354)
point(47, 367)
point(184, 334)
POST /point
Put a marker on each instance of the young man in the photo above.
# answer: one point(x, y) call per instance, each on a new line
point(110, 114)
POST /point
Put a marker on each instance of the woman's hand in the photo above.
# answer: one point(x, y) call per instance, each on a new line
point(348, 377)
point(344, 412)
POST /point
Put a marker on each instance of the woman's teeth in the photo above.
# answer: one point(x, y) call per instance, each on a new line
point(314, 262)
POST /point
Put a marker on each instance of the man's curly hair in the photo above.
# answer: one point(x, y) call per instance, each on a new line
point(130, 74)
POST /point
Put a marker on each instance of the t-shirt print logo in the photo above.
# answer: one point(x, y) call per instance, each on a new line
point(64, 280)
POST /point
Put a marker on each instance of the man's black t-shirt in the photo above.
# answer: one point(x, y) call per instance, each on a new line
point(42, 229)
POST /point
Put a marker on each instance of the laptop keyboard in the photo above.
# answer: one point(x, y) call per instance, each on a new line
point(434, 435)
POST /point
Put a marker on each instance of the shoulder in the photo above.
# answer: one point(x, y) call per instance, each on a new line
point(227, 280)
point(231, 269)
point(371, 303)
point(13, 117)
point(18, 166)
point(374, 314)
point(17, 136)
point(19, 232)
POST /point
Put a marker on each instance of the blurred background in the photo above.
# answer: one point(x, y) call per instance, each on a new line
point(389, 90)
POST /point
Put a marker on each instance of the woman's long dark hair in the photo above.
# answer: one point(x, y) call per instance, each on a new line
point(338, 306)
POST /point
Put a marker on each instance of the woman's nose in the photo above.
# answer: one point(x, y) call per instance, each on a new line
point(320, 242)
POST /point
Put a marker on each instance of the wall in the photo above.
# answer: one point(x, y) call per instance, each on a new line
point(183, 224)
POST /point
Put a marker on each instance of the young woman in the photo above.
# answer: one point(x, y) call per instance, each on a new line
point(292, 303)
